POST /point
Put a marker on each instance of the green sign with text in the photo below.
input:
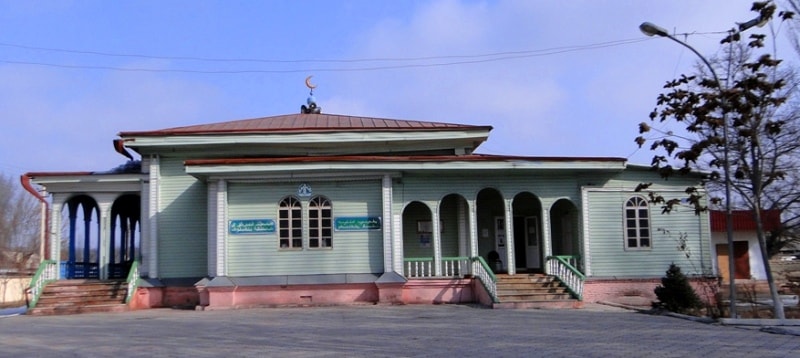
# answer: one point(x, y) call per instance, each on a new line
point(251, 226)
point(357, 223)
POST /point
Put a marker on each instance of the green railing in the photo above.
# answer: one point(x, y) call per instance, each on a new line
point(133, 281)
point(481, 270)
point(563, 267)
point(423, 267)
point(46, 273)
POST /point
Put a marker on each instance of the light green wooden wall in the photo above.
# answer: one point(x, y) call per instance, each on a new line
point(352, 252)
point(606, 236)
point(182, 225)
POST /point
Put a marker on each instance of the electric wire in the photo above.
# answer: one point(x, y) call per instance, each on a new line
point(440, 60)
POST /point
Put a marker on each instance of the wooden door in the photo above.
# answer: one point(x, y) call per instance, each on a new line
point(741, 262)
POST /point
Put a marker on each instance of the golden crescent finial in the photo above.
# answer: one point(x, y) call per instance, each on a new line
point(308, 83)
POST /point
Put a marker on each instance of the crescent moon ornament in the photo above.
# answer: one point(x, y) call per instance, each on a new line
point(308, 83)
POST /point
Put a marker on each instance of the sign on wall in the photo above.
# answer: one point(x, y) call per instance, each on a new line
point(251, 226)
point(357, 223)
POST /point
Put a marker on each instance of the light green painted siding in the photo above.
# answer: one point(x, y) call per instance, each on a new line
point(352, 252)
point(609, 256)
point(182, 224)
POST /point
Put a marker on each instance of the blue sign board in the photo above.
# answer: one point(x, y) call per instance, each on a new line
point(357, 223)
point(251, 226)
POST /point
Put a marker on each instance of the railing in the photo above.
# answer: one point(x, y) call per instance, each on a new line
point(47, 272)
point(133, 281)
point(457, 266)
point(79, 269)
point(482, 271)
point(563, 267)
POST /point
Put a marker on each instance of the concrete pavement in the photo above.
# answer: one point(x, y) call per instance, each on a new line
point(383, 331)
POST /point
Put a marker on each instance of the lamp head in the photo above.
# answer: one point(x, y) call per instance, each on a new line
point(651, 29)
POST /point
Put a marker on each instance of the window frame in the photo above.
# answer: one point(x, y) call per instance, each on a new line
point(290, 205)
point(637, 205)
point(320, 222)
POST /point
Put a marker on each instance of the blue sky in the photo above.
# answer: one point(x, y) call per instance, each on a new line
point(60, 110)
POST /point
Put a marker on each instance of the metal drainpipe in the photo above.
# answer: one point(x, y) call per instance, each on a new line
point(25, 179)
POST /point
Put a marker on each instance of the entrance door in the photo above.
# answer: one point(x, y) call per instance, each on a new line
point(741, 259)
point(527, 250)
point(533, 246)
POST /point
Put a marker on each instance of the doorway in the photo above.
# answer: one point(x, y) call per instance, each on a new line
point(527, 248)
point(741, 263)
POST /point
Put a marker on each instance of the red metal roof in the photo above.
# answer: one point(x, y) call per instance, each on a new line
point(398, 158)
point(304, 123)
point(743, 220)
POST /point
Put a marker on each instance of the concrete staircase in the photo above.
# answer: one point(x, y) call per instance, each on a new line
point(81, 296)
point(532, 291)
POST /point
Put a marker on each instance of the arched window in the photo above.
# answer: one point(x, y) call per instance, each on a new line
point(290, 223)
point(320, 229)
point(637, 224)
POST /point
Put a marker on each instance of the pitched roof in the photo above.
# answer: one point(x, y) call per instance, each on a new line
point(743, 220)
point(304, 123)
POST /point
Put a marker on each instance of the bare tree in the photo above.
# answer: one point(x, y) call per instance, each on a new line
point(745, 121)
point(19, 224)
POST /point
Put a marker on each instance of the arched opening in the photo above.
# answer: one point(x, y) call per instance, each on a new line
point(527, 232)
point(492, 239)
point(80, 258)
point(454, 229)
point(125, 235)
point(564, 228)
point(417, 240)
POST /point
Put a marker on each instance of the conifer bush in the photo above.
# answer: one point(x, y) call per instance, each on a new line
point(675, 294)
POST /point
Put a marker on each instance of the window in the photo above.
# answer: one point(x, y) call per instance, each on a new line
point(290, 223)
point(320, 229)
point(637, 223)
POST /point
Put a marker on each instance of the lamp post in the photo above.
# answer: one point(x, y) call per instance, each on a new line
point(651, 29)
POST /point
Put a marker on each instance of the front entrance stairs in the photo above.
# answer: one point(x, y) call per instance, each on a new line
point(532, 291)
point(81, 296)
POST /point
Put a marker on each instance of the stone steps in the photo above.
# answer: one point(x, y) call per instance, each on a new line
point(81, 296)
point(532, 291)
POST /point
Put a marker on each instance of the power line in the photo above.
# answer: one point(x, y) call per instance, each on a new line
point(465, 59)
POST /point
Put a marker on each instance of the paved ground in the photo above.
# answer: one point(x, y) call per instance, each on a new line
point(381, 331)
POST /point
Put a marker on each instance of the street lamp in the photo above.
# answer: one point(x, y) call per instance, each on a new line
point(651, 29)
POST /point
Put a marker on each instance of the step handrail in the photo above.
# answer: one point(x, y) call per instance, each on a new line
point(46, 273)
point(132, 281)
point(482, 271)
point(560, 267)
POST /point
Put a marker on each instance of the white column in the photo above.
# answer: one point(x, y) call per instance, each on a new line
point(547, 238)
point(586, 255)
point(104, 237)
point(509, 227)
point(436, 236)
point(397, 243)
point(211, 223)
point(473, 228)
point(55, 233)
point(386, 225)
point(154, 207)
point(222, 228)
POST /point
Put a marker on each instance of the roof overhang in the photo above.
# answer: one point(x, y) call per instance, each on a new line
point(321, 142)
point(242, 168)
point(67, 182)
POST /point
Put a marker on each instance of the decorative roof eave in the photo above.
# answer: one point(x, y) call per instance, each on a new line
point(398, 163)
point(72, 177)
point(474, 137)
point(86, 181)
